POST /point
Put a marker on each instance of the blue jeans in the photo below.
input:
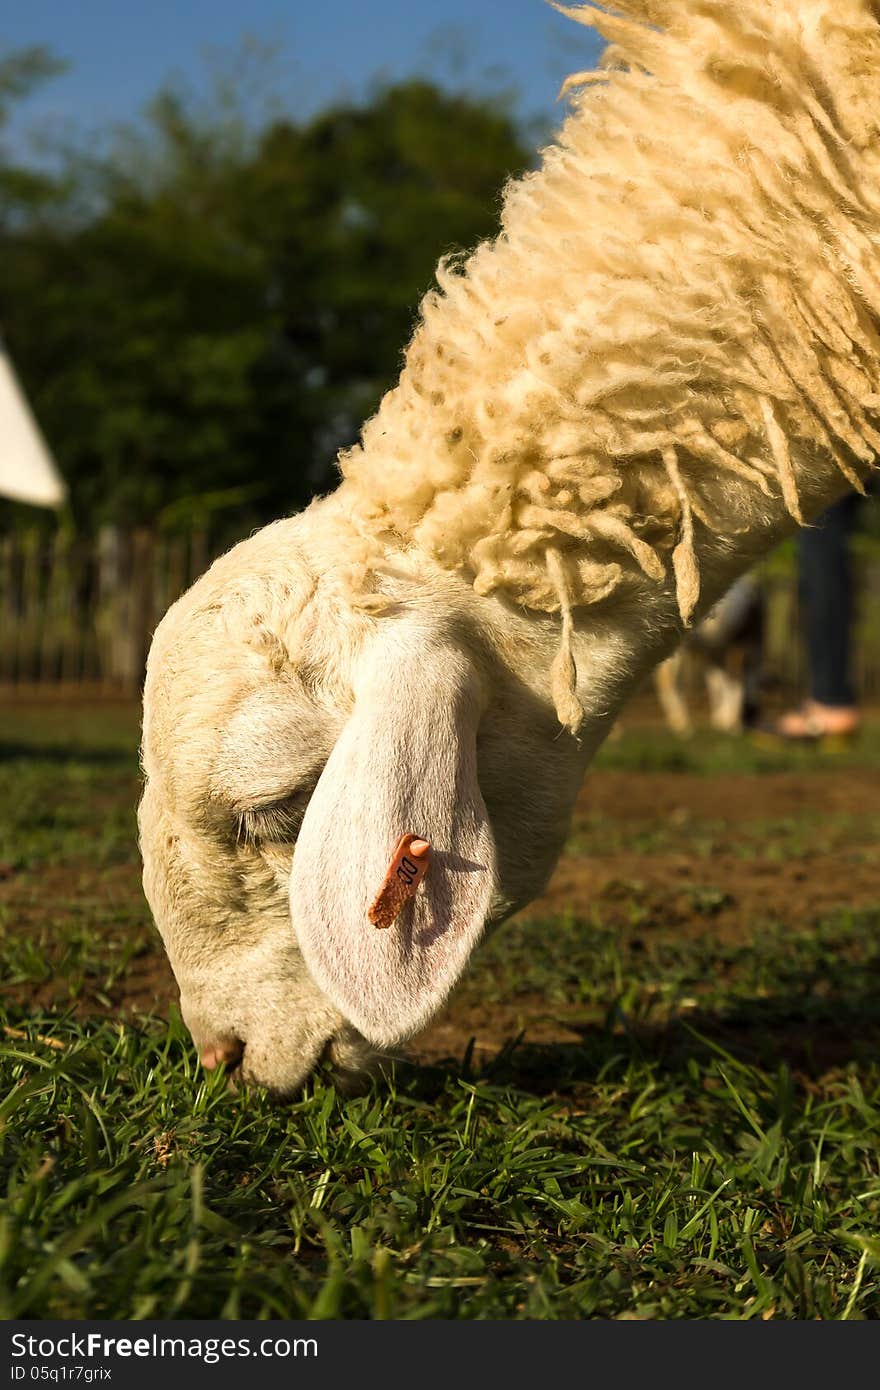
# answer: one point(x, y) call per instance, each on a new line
point(827, 599)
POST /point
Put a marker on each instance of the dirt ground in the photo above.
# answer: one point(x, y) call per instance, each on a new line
point(747, 870)
point(692, 856)
point(652, 854)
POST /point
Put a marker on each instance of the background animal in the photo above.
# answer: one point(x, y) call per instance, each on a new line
point(727, 648)
point(666, 360)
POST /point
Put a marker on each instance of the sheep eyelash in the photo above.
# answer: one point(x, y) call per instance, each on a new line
point(277, 820)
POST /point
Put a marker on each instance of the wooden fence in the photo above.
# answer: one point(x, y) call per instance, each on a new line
point(79, 611)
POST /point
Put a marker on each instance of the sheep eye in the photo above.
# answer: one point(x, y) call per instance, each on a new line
point(278, 821)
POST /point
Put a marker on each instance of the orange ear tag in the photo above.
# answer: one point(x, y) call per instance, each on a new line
point(408, 867)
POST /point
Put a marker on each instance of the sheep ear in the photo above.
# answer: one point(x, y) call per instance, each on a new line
point(405, 762)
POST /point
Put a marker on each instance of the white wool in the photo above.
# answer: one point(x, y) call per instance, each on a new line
point(687, 288)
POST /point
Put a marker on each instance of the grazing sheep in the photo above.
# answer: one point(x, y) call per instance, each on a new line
point(666, 360)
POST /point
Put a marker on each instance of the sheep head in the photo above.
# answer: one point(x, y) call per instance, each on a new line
point(290, 738)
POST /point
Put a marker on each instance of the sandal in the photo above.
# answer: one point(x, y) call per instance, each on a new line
point(815, 724)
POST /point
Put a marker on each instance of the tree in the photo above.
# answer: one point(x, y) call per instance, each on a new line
point(23, 191)
point(214, 310)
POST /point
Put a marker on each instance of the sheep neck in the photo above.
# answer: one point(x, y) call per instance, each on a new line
point(669, 355)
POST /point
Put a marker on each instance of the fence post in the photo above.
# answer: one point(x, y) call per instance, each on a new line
point(141, 626)
point(30, 616)
point(8, 606)
point(111, 613)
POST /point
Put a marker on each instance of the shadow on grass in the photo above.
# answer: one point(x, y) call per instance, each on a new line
point(66, 753)
point(824, 1017)
point(810, 1037)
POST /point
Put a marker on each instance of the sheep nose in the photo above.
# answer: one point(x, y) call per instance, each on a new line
point(229, 1052)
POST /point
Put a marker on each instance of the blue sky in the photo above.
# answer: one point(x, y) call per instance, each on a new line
point(120, 51)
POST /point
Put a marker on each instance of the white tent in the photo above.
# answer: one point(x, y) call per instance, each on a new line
point(27, 470)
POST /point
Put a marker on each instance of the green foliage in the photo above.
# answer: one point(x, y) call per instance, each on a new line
point(21, 71)
point(24, 192)
point(216, 307)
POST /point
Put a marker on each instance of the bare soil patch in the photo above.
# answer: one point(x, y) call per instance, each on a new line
point(785, 849)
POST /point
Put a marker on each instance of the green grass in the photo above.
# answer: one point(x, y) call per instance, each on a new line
point(647, 749)
point(704, 1142)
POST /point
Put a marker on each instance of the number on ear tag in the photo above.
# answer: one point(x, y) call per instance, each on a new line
point(408, 867)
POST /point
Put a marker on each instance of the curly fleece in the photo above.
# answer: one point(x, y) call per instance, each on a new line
point(686, 287)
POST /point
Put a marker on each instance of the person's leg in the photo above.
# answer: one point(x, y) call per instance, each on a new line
point(826, 590)
point(827, 597)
